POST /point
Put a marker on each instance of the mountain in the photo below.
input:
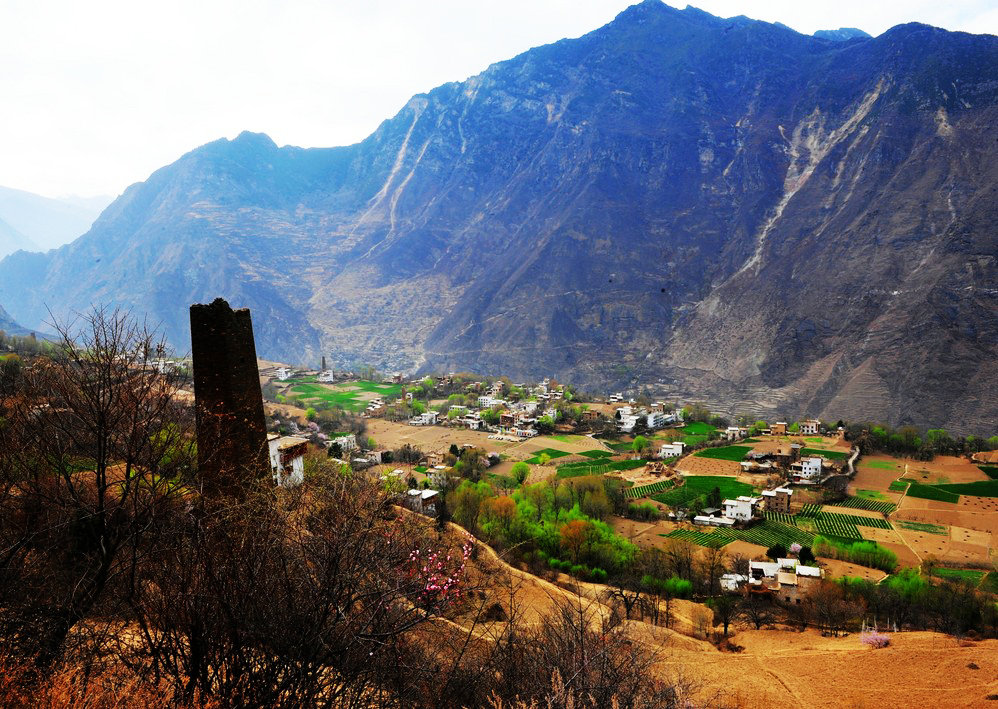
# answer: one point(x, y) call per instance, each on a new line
point(720, 209)
point(11, 240)
point(44, 223)
point(8, 326)
point(842, 34)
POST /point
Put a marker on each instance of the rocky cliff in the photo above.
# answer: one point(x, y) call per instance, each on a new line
point(716, 208)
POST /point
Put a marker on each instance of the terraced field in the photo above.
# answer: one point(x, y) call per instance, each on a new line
point(865, 503)
point(766, 534)
point(647, 490)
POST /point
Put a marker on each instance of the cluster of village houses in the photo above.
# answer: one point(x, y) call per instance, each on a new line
point(785, 578)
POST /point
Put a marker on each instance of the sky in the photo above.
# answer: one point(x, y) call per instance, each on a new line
point(99, 94)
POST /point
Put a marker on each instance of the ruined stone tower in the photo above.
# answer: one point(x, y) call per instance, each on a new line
point(232, 434)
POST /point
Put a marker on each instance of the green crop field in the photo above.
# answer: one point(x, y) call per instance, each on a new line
point(552, 452)
point(990, 582)
point(861, 502)
point(735, 453)
point(597, 454)
point(898, 486)
point(981, 488)
point(717, 538)
point(311, 392)
point(694, 439)
point(751, 440)
point(420, 468)
point(815, 440)
point(698, 428)
point(880, 464)
point(597, 467)
point(770, 533)
point(838, 518)
point(921, 527)
point(872, 495)
point(931, 492)
point(782, 517)
point(766, 534)
point(990, 470)
point(647, 490)
point(971, 577)
point(701, 485)
point(622, 447)
point(831, 455)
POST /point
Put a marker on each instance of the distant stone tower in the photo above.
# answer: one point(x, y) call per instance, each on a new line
point(232, 433)
point(323, 363)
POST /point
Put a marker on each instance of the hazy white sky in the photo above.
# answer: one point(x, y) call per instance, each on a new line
point(98, 94)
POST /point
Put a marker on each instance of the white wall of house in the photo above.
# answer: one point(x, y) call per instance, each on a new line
point(671, 450)
point(810, 468)
point(741, 508)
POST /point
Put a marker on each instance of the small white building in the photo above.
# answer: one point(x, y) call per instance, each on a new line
point(658, 419)
point(287, 459)
point(346, 441)
point(628, 422)
point(810, 427)
point(472, 421)
point(731, 582)
point(326, 377)
point(733, 433)
point(671, 450)
point(428, 418)
point(284, 374)
point(742, 508)
point(808, 470)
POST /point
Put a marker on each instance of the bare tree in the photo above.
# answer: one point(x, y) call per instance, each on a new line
point(93, 448)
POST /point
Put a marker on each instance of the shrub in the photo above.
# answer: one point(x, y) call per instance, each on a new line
point(598, 575)
point(874, 639)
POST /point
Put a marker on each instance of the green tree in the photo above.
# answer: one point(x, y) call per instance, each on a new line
point(640, 444)
point(793, 428)
point(418, 407)
point(310, 414)
point(520, 472)
point(543, 459)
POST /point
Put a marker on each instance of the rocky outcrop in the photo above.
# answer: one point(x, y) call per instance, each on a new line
point(721, 209)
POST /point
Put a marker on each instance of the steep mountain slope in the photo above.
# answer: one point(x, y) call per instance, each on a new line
point(723, 209)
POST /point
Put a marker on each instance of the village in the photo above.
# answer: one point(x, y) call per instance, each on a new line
point(762, 492)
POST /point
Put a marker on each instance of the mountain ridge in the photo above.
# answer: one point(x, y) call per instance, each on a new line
point(590, 208)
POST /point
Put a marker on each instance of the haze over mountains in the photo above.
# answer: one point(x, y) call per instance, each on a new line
point(720, 208)
point(35, 223)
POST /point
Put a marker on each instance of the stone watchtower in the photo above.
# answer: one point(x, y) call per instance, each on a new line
point(231, 429)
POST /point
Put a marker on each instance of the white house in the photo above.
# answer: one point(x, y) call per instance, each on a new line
point(346, 441)
point(809, 427)
point(658, 419)
point(428, 418)
point(287, 459)
point(327, 377)
point(472, 421)
point(628, 422)
point(732, 433)
point(284, 374)
point(671, 450)
point(807, 470)
point(742, 508)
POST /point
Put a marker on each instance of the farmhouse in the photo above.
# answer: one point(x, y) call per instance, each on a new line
point(346, 441)
point(777, 500)
point(671, 450)
point(807, 471)
point(732, 433)
point(779, 428)
point(810, 427)
point(287, 459)
point(742, 508)
point(428, 418)
point(422, 501)
point(784, 578)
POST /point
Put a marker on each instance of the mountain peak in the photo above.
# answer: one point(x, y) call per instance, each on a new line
point(842, 34)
